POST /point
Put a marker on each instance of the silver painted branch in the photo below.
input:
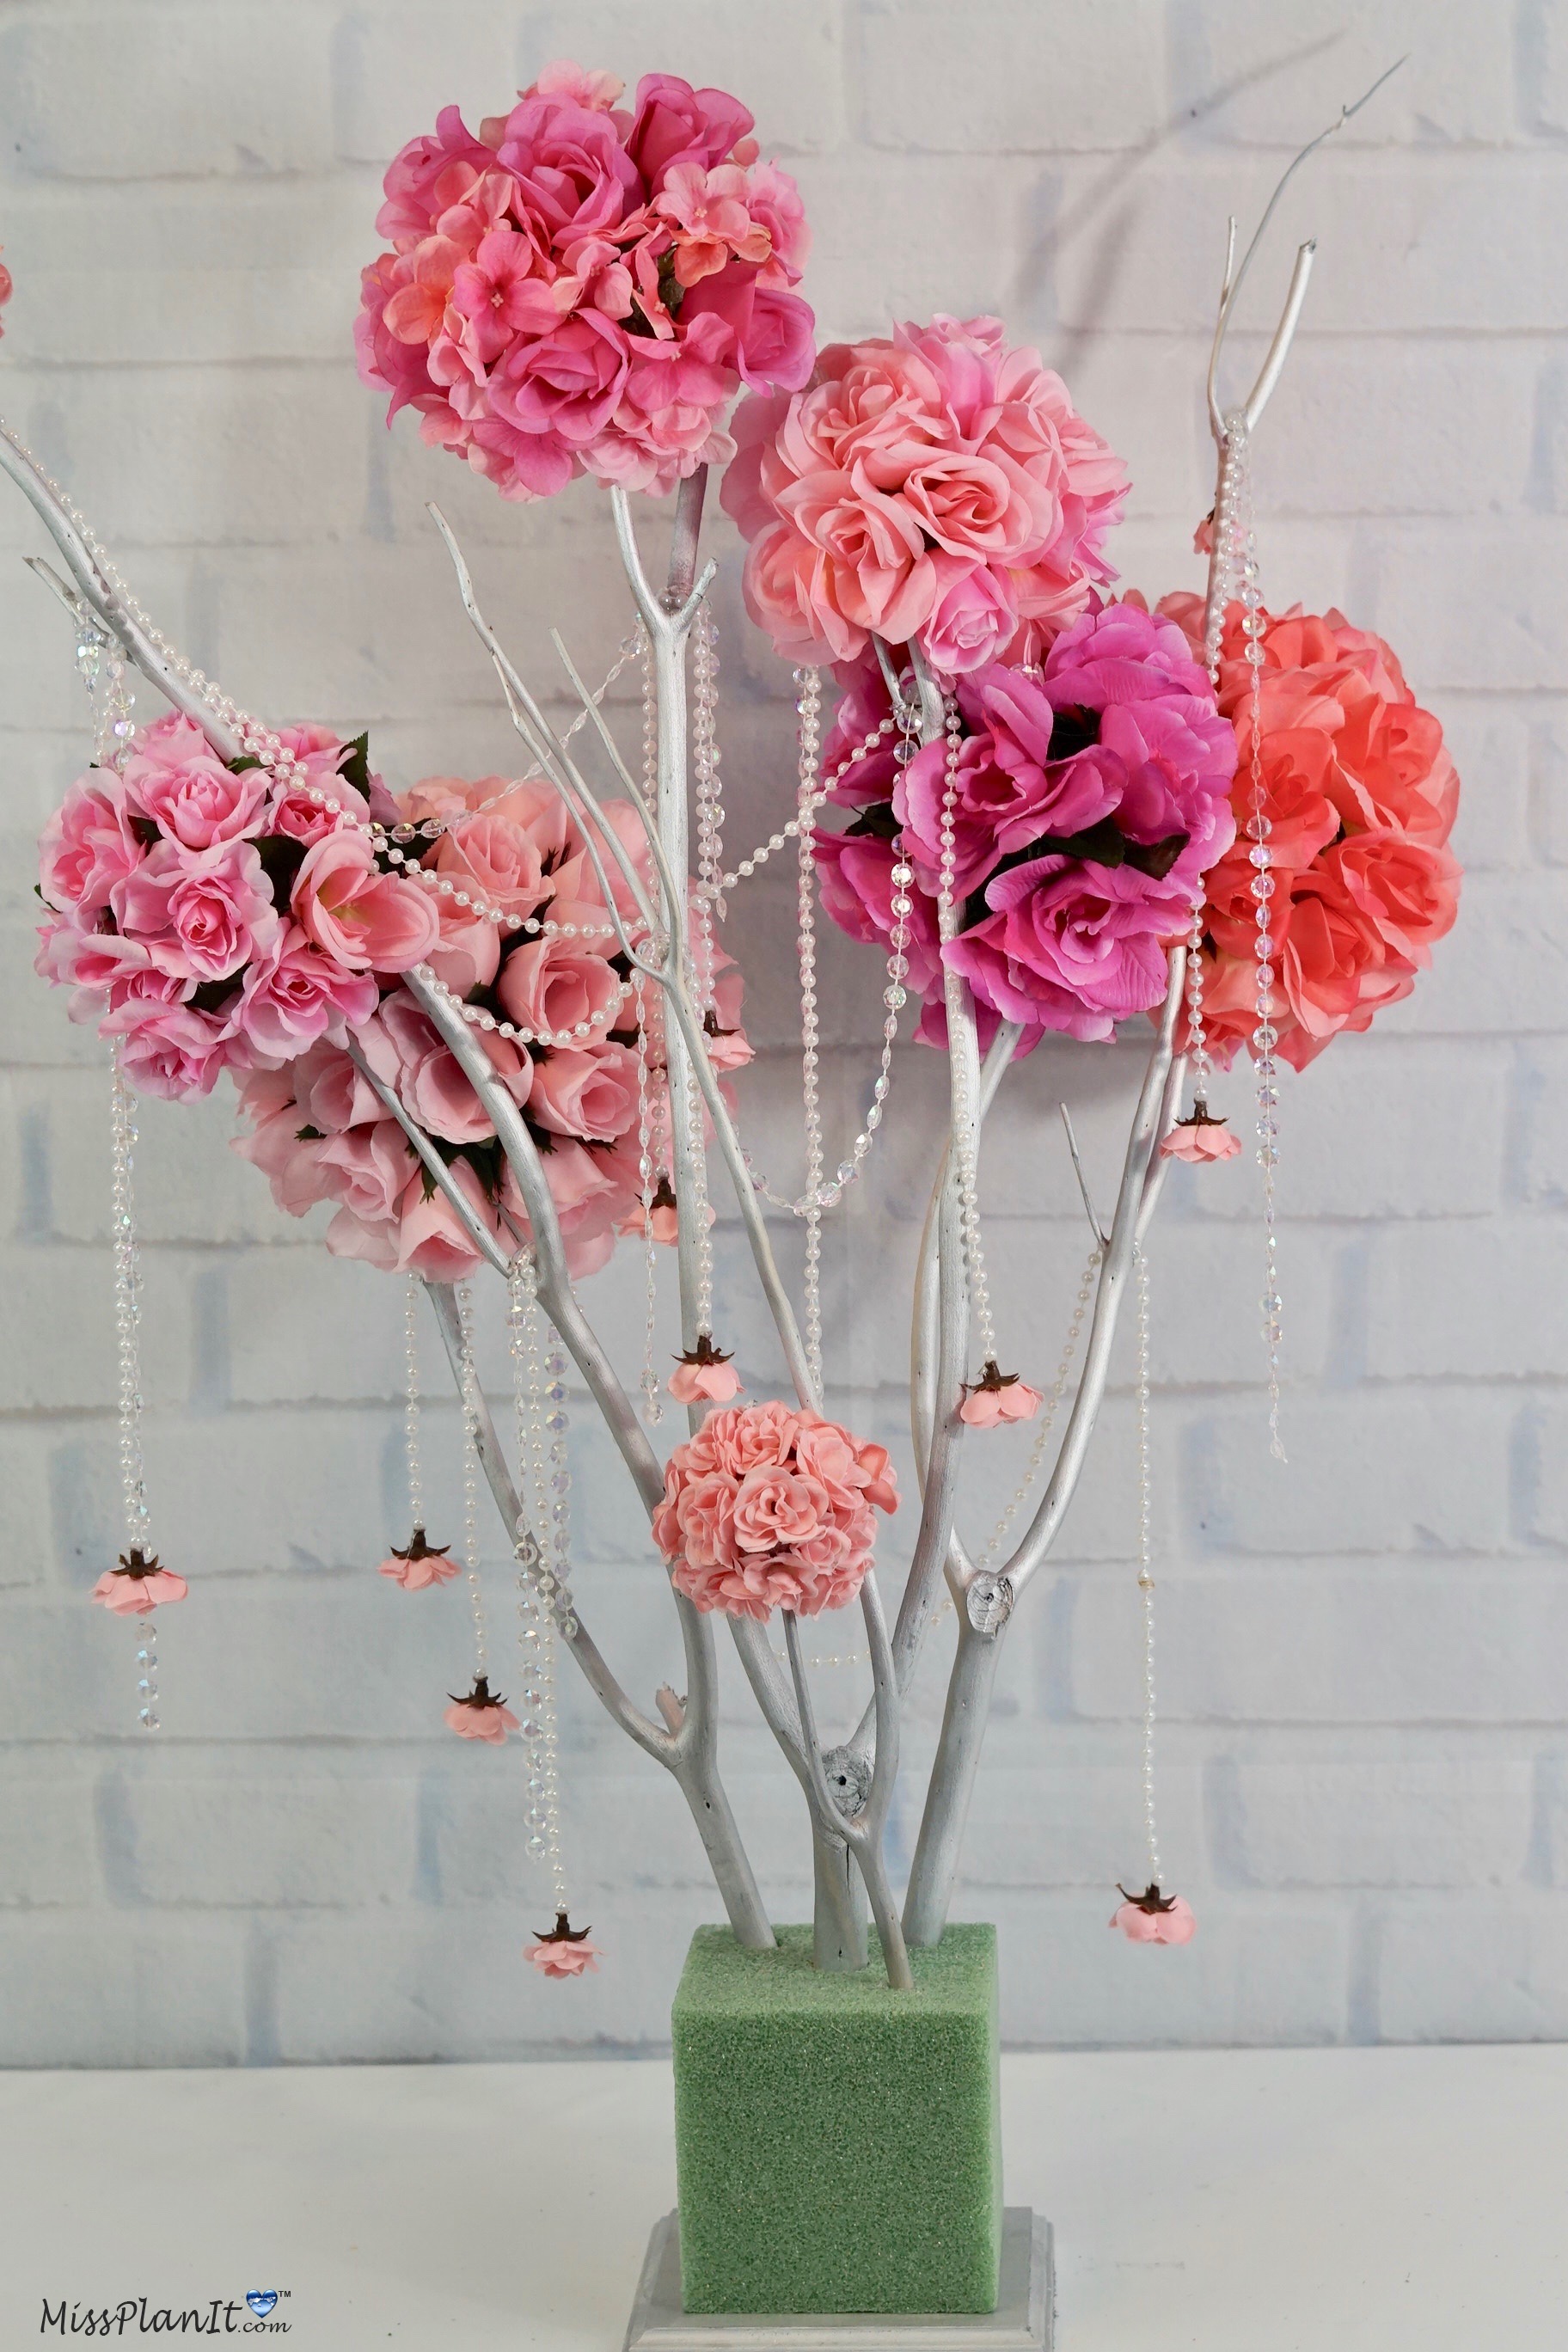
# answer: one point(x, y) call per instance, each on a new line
point(485, 1242)
point(106, 603)
point(989, 1602)
point(689, 1751)
point(1268, 375)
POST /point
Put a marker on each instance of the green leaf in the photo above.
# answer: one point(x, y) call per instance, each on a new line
point(355, 767)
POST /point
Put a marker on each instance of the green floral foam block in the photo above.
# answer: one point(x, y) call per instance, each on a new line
point(838, 2143)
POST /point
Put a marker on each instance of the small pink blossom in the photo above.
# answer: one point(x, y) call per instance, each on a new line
point(175, 1051)
point(421, 1565)
point(88, 845)
point(137, 1585)
point(1201, 1137)
point(294, 995)
point(709, 213)
point(362, 918)
point(563, 1950)
point(431, 1239)
point(590, 1092)
point(705, 1374)
point(1154, 1918)
point(996, 1397)
point(367, 1169)
point(201, 913)
point(175, 778)
point(482, 1715)
point(559, 988)
point(595, 91)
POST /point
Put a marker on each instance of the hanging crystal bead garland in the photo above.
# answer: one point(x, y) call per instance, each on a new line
point(649, 1382)
point(469, 1385)
point(413, 1458)
point(1002, 1528)
point(1002, 1531)
point(102, 665)
point(419, 1562)
point(826, 1194)
point(544, 1555)
point(1150, 1917)
point(808, 709)
point(1146, 1565)
point(1197, 1032)
point(135, 1515)
point(708, 898)
point(1236, 539)
point(965, 1110)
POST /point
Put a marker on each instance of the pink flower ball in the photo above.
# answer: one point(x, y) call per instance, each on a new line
point(583, 289)
point(939, 487)
point(1360, 795)
point(768, 1507)
point(1090, 800)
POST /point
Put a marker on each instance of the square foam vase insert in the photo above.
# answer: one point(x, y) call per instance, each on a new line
point(839, 2143)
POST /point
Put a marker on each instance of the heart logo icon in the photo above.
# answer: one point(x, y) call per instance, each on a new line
point(261, 2303)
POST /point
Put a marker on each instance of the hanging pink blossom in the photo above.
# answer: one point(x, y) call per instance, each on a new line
point(482, 1715)
point(939, 488)
point(769, 1508)
point(1200, 1138)
point(138, 1584)
point(997, 1396)
point(704, 1374)
point(563, 1950)
point(421, 1565)
point(1154, 1918)
point(583, 289)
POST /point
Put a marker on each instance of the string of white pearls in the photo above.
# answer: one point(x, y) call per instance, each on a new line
point(479, 1017)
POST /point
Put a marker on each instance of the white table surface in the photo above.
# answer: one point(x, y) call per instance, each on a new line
point(1366, 2201)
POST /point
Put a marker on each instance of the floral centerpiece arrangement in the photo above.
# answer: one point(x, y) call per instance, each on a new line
point(494, 1026)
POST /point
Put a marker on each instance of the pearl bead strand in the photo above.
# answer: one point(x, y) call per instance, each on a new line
point(543, 1551)
point(135, 1516)
point(468, 1393)
point(1146, 1564)
point(1238, 543)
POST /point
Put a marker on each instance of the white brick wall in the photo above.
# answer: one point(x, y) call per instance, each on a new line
point(1364, 1668)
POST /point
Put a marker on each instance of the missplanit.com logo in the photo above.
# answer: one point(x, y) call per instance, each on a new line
point(255, 2314)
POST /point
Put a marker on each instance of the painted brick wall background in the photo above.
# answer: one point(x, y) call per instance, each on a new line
point(1364, 1656)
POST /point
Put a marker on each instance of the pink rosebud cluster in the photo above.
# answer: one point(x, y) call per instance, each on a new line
point(769, 1506)
point(211, 919)
point(581, 289)
point(1361, 794)
point(940, 489)
point(1092, 796)
point(321, 1132)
